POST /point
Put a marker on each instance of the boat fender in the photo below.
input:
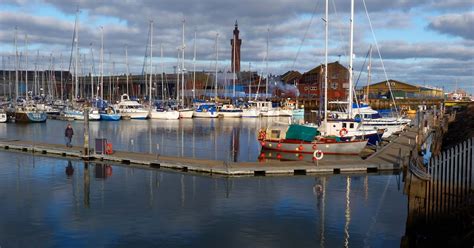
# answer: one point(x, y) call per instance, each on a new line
point(318, 154)
point(301, 147)
point(279, 145)
point(315, 147)
point(343, 132)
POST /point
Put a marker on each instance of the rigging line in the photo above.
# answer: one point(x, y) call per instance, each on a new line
point(357, 81)
point(381, 60)
point(363, 65)
point(340, 31)
point(304, 36)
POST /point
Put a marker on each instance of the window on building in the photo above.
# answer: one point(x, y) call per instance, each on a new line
point(335, 75)
point(351, 125)
point(344, 125)
point(334, 86)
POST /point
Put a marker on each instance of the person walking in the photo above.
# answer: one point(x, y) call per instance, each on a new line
point(68, 133)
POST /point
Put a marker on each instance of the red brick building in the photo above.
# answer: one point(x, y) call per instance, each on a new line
point(311, 83)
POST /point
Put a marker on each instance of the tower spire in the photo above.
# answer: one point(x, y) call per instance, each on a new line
point(235, 43)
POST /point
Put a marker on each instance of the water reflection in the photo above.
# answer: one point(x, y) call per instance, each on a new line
point(69, 169)
point(268, 155)
point(220, 139)
point(137, 207)
point(87, 185)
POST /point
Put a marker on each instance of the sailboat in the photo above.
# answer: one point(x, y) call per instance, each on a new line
point(157, 113)
point(186, 112)
point(305, 139)
point(24, 110)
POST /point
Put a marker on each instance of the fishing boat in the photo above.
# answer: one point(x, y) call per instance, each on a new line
point(304, 139)
point(230, 111)
point(349, 130)
point(205, 110)
point(131, 109)
point(109, 114)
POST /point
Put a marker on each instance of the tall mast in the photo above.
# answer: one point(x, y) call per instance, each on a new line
point(126, 63)
point(102, 63)
point(151, 62)
point(110, 76)
point(178, 70)
point(162, 72)
point(250, 78)
point(61, 83)
point(92, 72)
point(369, 74)
point(351, 54)
point(76, 85)
point(182, 65)
point(233, 63)
point(26, 68)
point(16, 64)
point(326, 24)
point(194, 67)
point(266, 64)
point(217, 58)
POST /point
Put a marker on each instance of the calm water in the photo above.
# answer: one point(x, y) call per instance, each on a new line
point(219, 139)
point(49, 202)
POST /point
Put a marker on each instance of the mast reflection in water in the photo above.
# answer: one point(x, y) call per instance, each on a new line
point(42, 205)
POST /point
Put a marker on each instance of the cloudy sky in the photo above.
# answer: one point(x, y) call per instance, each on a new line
point(426, 42)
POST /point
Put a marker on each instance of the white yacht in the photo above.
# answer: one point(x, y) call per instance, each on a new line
point(131, 109)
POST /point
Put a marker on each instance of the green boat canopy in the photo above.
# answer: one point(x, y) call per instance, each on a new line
point(300, 132)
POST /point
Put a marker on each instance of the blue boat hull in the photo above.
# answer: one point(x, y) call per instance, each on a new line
point(110, 117)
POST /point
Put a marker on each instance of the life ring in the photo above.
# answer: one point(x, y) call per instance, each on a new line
point(318, 154)
point(343, 132)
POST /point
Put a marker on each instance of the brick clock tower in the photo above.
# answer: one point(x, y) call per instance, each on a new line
point(235, 42)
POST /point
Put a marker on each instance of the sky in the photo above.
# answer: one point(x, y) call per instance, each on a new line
point(423, 42)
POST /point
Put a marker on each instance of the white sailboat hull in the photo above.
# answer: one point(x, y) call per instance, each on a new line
point(186, 113)
point(197, 114)
point(231, 114)
point(164, 115)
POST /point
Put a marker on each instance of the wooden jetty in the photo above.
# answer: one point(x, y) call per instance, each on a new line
point(386, 159)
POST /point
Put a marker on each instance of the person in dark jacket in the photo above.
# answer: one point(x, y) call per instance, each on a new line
point(68, 133)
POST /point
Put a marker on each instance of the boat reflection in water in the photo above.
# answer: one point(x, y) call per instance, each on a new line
point(268, 154)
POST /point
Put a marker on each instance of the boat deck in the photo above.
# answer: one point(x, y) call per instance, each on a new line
point(388, 158)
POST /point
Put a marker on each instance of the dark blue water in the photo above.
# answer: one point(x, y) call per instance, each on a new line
point(48, 202)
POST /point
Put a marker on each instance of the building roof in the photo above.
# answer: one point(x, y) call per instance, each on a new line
point(318, 68)
point(290, 76)
point(426, 87)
